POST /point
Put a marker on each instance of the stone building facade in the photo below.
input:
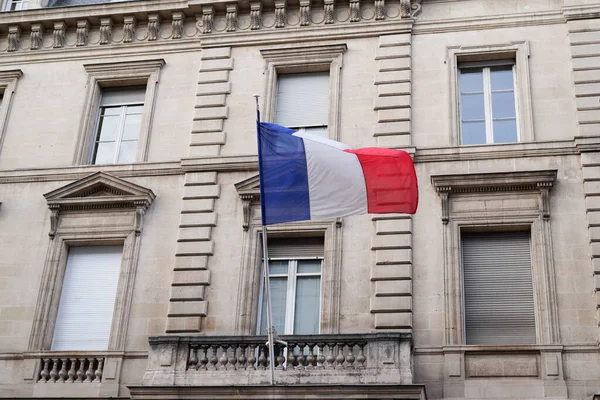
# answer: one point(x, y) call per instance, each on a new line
point(128, 183)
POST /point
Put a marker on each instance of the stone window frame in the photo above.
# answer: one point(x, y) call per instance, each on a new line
point(485, 187)
point(519, 51)
point(128, 203)
point(246, 317)
point(8, 85)
point(117, 74)
point(301, 60)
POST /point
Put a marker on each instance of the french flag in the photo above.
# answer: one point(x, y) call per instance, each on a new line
point(308, 177)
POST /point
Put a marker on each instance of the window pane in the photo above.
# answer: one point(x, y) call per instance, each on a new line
point(471, 80)
point(278, 267)
point(472, 107)
point(278, 300)
point(502, 77)
point(111, 111)
point(505, 131)
point(105, 153)
point(308, 305)
point(135, 109)
point(128, 151)
point(109, 128)
point(503, 105)
point(302, 99)
point(473, 132)
point(131, 129)
point(309, 266)
point(320, 131)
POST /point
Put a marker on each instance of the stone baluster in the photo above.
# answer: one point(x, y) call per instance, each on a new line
point(251, 357)
point(241, 360)
point(213, 357)
point(90, 371)
point(291, 359)
point(339, 360)
point(223, 358)
point(99, 370)
point(203, 358)
point(262, 359)
point(360, 359)
point(301, 358)
point(232, 359)
point(310, 359)
point(330, 357)
point(350, 357)
point(45, 373)
point(280, 359)
point(54, 372)
point(81, 370)
point(72, 371)
point(62, 373)
point(320, 356)
point(193, 361)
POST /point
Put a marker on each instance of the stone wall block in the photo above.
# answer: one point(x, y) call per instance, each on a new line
point(191, 277)
point(391, 272)
point(401, 39)
point(200, 178)
point(211, 113)
point(183, 324)
point(214, 100)
point(216, 65)
point(392, 128)
point(397, 141)
point(393, 226)
point(393, 288)
point(208, 138)
point(393, 321)
point(382, 242)
point(197, 248)
point(188, 308)
point(391, 304)
point(213, 76)
point(216, 53)
point(195, 233)
point(187, 293)
point(210, 125)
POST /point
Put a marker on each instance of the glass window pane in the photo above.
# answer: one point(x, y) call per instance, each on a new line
point(473, 132)
point(308, 305)
point(111, 111)
point(502, 77)
point(505, 131)
point(319, 131)
point(472, 107)
point(278, 300)
point(128, 151)
point(309, 266)
point(135, 109)
point(278, 267)
point(503, 105)
point(105, 153)
point(109, 128)
point(131, 128)
point(471, 80)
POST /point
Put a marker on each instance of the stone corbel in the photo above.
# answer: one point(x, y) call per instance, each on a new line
point(83, 31)
point(255, 15)
point(177, 25)
point(379, 10)
point(415, 8)
point(329, 10)
point(139, 219)
point(37, 36)
point(153, 27)
point(105, 30)
point(247, 200)
point(54, 215)
point(280, 13)
point(304, 12)
point(354, 10)
point(545, 194)
point(129, 23)
point(14, 36)
point(207, 19)
point(231, 17)
point(59, 34)
point(444, 192)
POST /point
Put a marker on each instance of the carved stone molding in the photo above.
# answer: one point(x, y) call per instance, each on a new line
point(83, 31)
point(231, 17)
point(255, 15)
point(329, 11)
point(207, 19)
point(153, 27)
point(304, 12)
point(177, 25)
point(280, 13)
point(379, 10)
point(14, 37)
point(59, 34)
point(105, 30)
point(541, 181)
point(129, 24)
point(354, 10)
point(37, 36)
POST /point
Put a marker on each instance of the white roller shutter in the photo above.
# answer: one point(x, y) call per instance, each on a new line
point(123, 95)
point(302, 100)
point(498, 288)
point(297, 247)
point(87, 299)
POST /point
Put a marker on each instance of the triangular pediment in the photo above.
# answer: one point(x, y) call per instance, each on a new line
point(100, 190)
point(250, 186)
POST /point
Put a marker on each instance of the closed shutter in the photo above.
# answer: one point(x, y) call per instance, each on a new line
point(297, 247)
point(87, 299)
point(302, 100)
point(123, 95)
point(498, 288)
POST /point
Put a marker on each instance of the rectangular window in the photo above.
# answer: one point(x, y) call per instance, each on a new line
point(295, 275)
point(303, 101)
point(15, 5)
point(498, 288)
point(118, 126)
point(488, 102)
point(87, 298)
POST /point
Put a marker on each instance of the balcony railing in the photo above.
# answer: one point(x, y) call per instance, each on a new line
point(310, 359)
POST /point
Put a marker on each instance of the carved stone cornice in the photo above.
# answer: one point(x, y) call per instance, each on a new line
point(541, 181)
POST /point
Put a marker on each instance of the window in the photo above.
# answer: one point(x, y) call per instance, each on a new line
point(87, 298)
point(490, 101)
point(295, 266)
point(15, 5)
point(118, 126)
point(8, 84)
point(498, 288)
point(303, 102)
point(117, 120)
point(487, 102)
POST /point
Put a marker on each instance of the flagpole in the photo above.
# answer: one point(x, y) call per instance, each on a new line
point(267, 284)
